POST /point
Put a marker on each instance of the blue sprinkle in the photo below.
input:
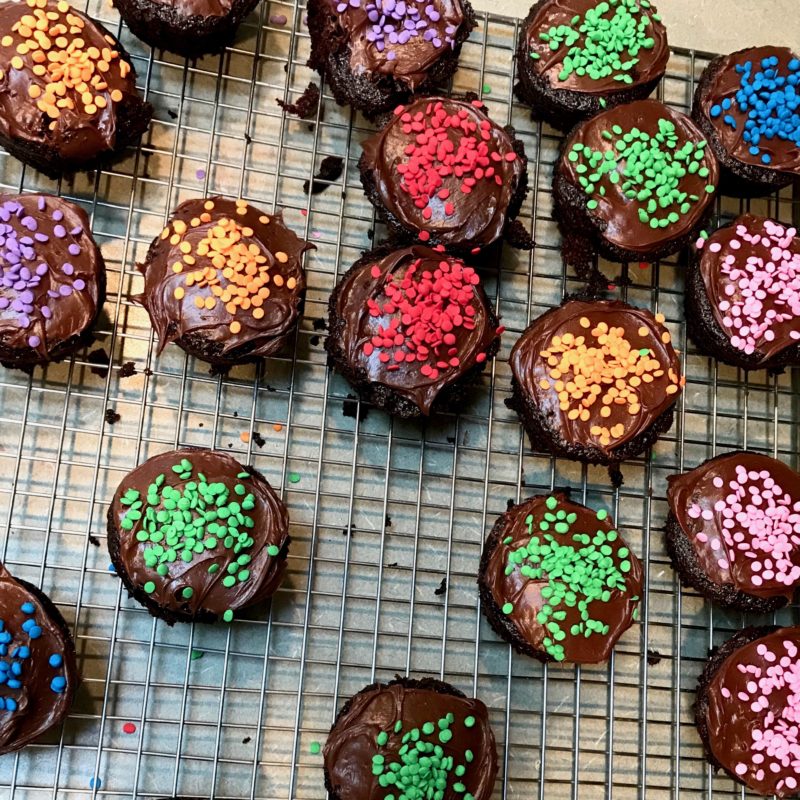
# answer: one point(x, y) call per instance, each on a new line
point(794, 65)
point(21, 652)
point(765, 62)
point(97, 781)
point(13, 683)
point(2, 625)
point(726, 103)
point(11, 704)
point(27, 608)
point(28, 624)
point(55, 661)
point(35, 632)
point(728, 119)
point(111, 568)
point(715, 111)
point(16, 668)
point(58, 684)
point(766, 158)
point(5, 638)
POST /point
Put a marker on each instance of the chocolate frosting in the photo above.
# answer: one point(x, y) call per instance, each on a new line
point(210, 595)
point(479, 216)
point(722, 288)
point(69, 289)
point(553, 13)
point(78, 132)
point(531, 370)
point(525, 594)
point(365, 284)
point(739, 737)
point(352, 743)
point(617, 214)
point(784, 154)
point(176, 317)
point(411, 60)
point(37, 705)
point(728, 544)
point(199, 8)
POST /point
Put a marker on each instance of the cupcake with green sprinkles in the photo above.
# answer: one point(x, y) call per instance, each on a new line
point(576, 58)
point(558, 582)
point(411, 740)
point(195, 536)
point(635, 183)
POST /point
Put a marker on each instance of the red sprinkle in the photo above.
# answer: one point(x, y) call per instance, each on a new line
point(424, 236)
point(129, 727)
point(643, 265)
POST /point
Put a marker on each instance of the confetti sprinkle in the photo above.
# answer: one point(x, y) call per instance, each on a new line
point(277, 427)
point(95, 783)
point(314, 748)
point(129, 728)
point(197, 654)
point(278, 19)
point(294, 477)
point(201, 173)
point(487, 89)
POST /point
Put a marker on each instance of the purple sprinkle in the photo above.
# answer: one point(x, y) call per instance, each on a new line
point(52, 293)
point(41, 269)
point(4, 303)
point(25, 273)
point(373, 16)
point(437, 42)
point(67, 268)
point(434, 16)
point(355, 3)
point(41, 237)
point(74, 250)
point(76, 231)
point(41, 204)
point(58, 215)
point(59, 231)
point(201, 173)
point(380, 46)
point(46, 312)
point(79, 284)
point(65, 291)
point(24, 320)
point(341, 8)
point(278, 19)
point(30, 223)
point(34, 341)
point(26, 296)
point(391, 56)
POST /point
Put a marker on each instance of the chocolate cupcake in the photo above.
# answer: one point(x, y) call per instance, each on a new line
point(411, 330)
point(38, 674)
point(375, 54)
point(748, 106)
point(68, 98)
point(196, 537)
point(746, 710)
point(633, 183)
point(442, 172)
point(411, 738)
point(576, 58)
point(190, 28)
point(224, 281)
point(52, 279)
point(733, 530)
point(557, 581)
point(595, 381)
point(743, 294)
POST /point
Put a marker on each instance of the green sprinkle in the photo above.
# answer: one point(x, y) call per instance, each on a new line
point(508, 608)
point(382, 738)
point(710, 189)
point(228, 615)
point(602, 514)
point(487, 89)
point(187, 592)
point(469, 722)
point(273, 550)
point(314, 748)
point(149, 587)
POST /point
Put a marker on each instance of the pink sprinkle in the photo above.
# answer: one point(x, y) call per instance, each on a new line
point(715, 247)
point(741, 768)
point(316, 234)
point(304, 212)
point(278, 19)
point(129, 728)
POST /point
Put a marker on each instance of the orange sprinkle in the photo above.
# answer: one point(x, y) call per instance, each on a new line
point(666, 338)
point(258, 313)
point(264, 219)
point(291, 283)
point(236, 326)
point(244, 436)
point(281, 256)
point(660, 317)
point(277, 427)
point(208, 205)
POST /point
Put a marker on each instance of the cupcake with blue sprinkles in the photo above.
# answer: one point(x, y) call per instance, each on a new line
point(38, 673)
point(748, 106)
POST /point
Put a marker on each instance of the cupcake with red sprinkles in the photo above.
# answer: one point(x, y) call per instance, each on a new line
point(733, 530)
point(411, 329)
point(743, 294)
point(375, 54)
point(748, 704)
point(442, 172)
point(52, 279)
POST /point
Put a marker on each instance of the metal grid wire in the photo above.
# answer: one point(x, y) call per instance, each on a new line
point(384, 510)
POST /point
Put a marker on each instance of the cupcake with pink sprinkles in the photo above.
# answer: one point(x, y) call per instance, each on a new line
point(748, 710)
point(733, 530)
point(52, 279)
point(743, 294)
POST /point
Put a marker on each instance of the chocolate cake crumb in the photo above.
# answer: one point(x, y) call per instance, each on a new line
point(94, 540)
point(314, 341)
point(127, 370)
point(101, 361)
point(653, 657)
point(441, 589)
point(517, 236)
point(247, 740)
point(259, 439)
point(350, 408)
point(111, 416)
point(329, 170)
point(388, 521)
point(510, 503)
point(320, 324)
point(306, 105)
point(173, 114)
point(347, 531)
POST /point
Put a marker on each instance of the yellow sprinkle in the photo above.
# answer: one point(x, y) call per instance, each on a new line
point(291, 283)
point(208, 205)
point(264, 219)
point(16, 63)
point(281, 256)
point(179, 293)
point(235, 326)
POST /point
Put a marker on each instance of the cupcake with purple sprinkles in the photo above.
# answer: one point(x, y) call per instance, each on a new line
point(375, 53)
point(52, 279)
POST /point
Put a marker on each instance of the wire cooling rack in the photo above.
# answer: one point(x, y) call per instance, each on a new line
point(384, 514)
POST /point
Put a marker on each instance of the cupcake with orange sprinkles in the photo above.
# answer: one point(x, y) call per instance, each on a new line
point(68, 98)
point(595, 381)
point(224, 281)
